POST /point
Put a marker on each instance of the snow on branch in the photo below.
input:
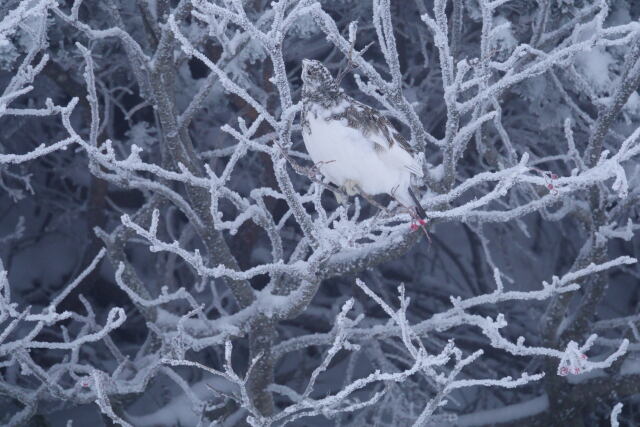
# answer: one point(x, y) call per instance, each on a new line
point(176, 130)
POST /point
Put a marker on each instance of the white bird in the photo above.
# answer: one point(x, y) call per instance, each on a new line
point(353, 145)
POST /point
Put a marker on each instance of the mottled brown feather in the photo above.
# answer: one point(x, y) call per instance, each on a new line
point(370, 122)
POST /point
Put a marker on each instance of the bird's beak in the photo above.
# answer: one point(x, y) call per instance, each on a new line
point(305, 69)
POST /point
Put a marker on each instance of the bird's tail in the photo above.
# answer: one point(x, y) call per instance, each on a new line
point(420, 211)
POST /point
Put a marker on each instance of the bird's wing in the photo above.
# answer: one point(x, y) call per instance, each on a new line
point(386, 139)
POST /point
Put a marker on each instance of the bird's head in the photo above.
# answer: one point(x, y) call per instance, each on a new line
point(316, 77)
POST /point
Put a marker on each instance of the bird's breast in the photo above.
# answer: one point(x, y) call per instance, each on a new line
point(345, 154)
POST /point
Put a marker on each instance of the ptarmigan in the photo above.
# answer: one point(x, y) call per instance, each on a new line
point(353, 145)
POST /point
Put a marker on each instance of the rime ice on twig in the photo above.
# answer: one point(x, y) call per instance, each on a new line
point(496, 172)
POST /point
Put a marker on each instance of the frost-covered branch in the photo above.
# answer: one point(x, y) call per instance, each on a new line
point(151, 163)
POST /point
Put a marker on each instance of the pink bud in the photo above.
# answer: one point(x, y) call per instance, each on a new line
point(414, 227)
point(554, 176)
point(550, 186)
point(564, 371)
point(422, 222)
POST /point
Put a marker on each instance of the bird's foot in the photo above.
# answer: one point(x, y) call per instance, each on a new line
point(341, 198)
point(351, 187)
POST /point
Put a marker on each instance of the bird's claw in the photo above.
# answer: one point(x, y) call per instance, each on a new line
point(341, 198)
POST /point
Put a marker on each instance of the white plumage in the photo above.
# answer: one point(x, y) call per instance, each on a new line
point(354, 146)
